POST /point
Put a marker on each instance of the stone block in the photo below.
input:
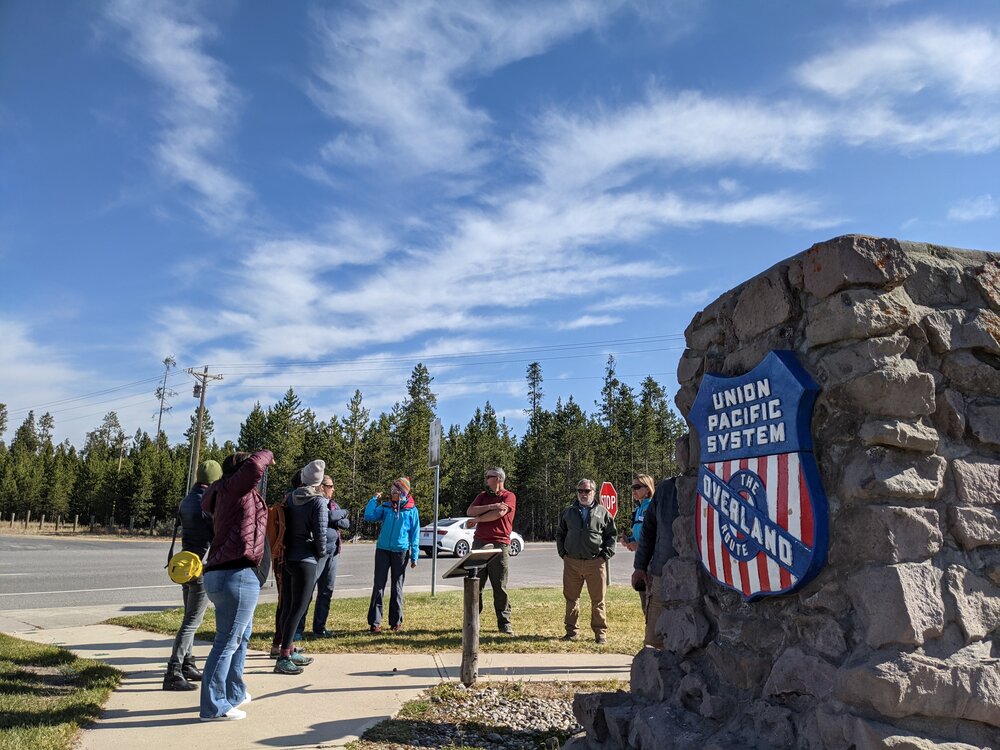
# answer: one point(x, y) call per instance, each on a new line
point(772, 725)
point(902, 685)
point(886, 534)
point(821, 633)
point(898, 389)
point(897, 433)
point(949, 414)
point(681, 580)
point(974, 527)
point(741, 668)
point(859, 314)
point(871, 735)
point(977, 480)
point(798, 673)
point(889, 473)
point(984, 420)
point(690, 368)
point(860, 358)
point(831, 597)
point(899, 604)
point(971, 373)
point(763, 303)
point(651, 675)
point(684, 541)
point(683, 629)
point(853, 260)
point(974, 603)
point(684, 398)
point(670, 728)
point(986, 278)
point(748, 357)
point(592, 711)
point(687, 499)
point(937, 283)
point(950, 330)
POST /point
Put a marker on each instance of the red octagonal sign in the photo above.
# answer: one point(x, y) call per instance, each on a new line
point(609, 498)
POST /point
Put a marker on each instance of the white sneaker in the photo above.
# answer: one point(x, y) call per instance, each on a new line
point(247, 698)
point(233, 714)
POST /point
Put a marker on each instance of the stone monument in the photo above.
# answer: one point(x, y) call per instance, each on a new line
point(896, 641)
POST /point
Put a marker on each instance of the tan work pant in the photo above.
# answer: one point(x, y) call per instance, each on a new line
point(575, 574)
point(654, 606)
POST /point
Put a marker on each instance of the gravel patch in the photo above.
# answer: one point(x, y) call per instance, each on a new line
point(490, 716)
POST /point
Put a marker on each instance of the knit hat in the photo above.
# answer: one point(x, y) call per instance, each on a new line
point(208, 472)
point(312, 473)
point(403, 485)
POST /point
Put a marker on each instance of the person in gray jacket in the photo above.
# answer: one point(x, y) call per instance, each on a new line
point(656, 546)
point(196, 536)
point(585, 540)
point(326, 577)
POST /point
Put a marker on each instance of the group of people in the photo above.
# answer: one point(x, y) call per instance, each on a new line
point(225, 521)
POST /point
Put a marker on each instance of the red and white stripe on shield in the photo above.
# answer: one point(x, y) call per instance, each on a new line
point(788, 505)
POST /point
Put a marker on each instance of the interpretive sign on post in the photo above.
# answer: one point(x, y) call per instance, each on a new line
point(761, 517)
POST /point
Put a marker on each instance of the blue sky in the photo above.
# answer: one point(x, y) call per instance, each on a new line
point(321, 195)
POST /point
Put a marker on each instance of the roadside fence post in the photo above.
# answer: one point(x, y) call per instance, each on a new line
point(75, 519)
point(42, 522)
point(27, 520)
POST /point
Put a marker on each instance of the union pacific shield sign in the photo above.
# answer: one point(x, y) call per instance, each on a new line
point(761, 521)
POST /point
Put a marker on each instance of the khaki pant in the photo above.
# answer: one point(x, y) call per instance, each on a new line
point(575, 574)
point(654, 607)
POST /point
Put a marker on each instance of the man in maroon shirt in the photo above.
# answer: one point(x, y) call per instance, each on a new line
point(494, 514)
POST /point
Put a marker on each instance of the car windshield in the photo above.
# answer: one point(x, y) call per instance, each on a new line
point(448, 521)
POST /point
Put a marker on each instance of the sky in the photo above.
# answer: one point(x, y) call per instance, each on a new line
point(321, 195)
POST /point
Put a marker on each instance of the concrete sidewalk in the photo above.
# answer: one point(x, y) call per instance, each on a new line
point(333, 702)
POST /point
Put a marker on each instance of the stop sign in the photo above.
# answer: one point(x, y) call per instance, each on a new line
point(609, 498)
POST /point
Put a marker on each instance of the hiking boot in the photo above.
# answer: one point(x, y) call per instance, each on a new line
point(175, 681)
point(285, 665)
point(323, 634)
point(375, 629)
point(397, 628)
point(507, 630)
point(601, 638)
point(300, 660)
point(190, 670)
point(569, 637)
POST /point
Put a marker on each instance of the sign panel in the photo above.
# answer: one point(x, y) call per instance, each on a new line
point(761, 520)
point(434, 445)
point(609, 498)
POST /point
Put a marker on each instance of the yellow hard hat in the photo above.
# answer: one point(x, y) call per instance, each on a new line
point(184, 567)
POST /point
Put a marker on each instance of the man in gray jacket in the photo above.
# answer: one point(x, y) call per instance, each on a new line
point(585, 540)
point(656, 546)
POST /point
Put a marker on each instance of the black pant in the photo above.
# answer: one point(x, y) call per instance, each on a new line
point(299, 578)
point(384, 562)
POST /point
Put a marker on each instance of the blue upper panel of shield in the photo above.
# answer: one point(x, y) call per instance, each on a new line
point(766, 411)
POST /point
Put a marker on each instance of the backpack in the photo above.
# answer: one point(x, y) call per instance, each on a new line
point(276, 530)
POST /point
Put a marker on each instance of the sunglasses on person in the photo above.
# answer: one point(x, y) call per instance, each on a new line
point(583, 492)
point(638, 486)
point(492, 476)
point(327, 486)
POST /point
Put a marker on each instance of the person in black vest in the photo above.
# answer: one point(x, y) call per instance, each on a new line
point(656, 546)
point(196, 536)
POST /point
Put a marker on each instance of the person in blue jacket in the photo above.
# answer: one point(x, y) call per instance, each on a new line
point(398, 543)
point(642, 494)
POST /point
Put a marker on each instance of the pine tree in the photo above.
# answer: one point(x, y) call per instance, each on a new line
point(353, 427)
point(412, 435)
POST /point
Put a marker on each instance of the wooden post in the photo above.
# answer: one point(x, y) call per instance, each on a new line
point(131, 524)
point(470, 632)
point(152, 524)
point(75, 519)
point(41, 523)
point(58, 519)
point(27, 520)
point(12, 515)
point(93, 518)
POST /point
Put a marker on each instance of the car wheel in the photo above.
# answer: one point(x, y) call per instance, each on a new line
point(515, 548)
point(461, 548)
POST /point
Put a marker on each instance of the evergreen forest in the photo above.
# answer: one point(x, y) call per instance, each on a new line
point(118, 479)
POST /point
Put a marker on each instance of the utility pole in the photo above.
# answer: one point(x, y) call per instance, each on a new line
point(199, 390)
point(162, 393)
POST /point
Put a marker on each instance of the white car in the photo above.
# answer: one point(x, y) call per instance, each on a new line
point(454, 536)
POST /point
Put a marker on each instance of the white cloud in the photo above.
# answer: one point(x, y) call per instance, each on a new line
point(974, 209)
point(963, 60)
point(397, 75)
point(589, 321)
point(197, 107)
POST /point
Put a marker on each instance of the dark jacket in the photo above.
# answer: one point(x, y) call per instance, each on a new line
point(196, 527)
point(239, 515)
point(305, 526)
point(336, 520)
point(586, 541)
point(656, 544)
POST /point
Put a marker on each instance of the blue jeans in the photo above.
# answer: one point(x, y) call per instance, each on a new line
point(195, 603)
point(326, 580)
point(234, 594)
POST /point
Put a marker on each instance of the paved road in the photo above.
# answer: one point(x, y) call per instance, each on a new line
point(57, 572)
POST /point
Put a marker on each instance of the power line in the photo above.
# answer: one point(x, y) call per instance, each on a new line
point(438, 383)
